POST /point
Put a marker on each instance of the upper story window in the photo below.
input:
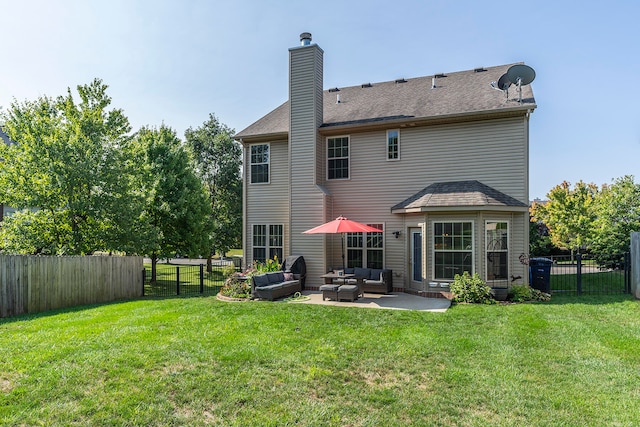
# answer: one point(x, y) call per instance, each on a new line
point(338, 157)
point(260, 163)
point(393, 144)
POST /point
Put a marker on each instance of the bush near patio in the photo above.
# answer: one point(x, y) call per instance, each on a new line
point(525, 293)
point(236, 286)
point(471, 289)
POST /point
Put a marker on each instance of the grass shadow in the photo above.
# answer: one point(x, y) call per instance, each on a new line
point(590, 299)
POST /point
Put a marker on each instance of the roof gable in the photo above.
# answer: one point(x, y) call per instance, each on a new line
point(458, 93)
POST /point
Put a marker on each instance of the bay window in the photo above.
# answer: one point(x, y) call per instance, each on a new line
point(452, 249)
point(497, 248)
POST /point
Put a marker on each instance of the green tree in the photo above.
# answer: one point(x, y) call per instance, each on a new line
point(539, 240)
point(69, 173)
point(569, 214)
point(218, 161)
point(176, 207)
point(618, 214)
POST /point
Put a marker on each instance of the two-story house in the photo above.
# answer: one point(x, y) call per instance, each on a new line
point(440, 163)
point(4, 139)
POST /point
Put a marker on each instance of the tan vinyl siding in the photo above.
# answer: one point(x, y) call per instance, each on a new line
point(269, 203)
point(493, 152)
point(519, 246)
point(307, 203)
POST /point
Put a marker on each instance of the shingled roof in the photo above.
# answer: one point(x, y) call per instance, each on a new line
point(456, 94)
point(5, 138)
point(473, 194)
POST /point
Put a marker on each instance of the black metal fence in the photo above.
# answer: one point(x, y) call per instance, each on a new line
point(186, 279)
point(585, 274)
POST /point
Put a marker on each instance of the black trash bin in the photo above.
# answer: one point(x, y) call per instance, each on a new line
point(540, 274)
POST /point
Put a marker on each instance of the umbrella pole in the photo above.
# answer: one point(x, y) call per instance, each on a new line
point(342, 247)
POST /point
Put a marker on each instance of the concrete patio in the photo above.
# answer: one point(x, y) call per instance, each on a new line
point(393, 301)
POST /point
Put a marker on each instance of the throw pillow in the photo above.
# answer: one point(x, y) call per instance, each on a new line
point(362, 272)
point(261, 280)
point(288, 277)
point(375, 274)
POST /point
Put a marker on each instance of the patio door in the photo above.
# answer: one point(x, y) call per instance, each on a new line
point(416, 255)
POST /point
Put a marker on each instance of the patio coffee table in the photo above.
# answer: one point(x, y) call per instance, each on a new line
point(329, 277)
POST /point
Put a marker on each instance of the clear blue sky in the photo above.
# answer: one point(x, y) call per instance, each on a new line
point(177, 61)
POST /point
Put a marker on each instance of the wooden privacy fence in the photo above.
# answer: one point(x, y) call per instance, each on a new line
point(31, 284)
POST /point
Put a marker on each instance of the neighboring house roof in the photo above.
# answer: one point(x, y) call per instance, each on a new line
point(5, 138)
point(457, 194)
point(406, 100)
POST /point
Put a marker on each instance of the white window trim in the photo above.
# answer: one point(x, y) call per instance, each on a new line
point(433, 244)
point(387, 145)
point(508, 251)
point(364, 247)
point(251, 164)
point(348, 157)
point(267, 246)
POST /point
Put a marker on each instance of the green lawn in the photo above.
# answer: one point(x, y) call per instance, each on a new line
point(199, 361)
point(592, 283)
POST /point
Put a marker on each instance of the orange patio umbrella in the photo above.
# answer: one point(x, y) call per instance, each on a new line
point(342, 225)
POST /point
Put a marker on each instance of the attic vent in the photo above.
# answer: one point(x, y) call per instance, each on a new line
point(439, 76)
point(479, 70)
point(366, 85)
point(401, 81)
point(334, 89)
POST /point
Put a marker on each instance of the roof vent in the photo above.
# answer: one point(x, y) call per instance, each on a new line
point(334, 89)
point(305, 39)
point(439, 76)
point(401, 81)
point(479, 70)
point(366, 85)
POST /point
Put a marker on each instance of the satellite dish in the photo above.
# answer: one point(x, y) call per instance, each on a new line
point(521, 74)
point(504, 82)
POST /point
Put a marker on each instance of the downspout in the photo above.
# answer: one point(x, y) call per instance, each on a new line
point(244, 206)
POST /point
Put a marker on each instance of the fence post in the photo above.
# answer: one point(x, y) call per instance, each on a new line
point(627, 272)
point(201, 278)
point(177, 280)
point(144, 278)
point(579, 273)
point(634, 265)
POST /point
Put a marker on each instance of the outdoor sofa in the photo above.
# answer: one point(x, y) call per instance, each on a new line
point(273, 285)
point(371, 280)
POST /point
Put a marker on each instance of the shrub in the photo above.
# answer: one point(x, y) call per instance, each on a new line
point(524, 293)
point(228, 270)
point(471, 289)
point(267, 267)
point(234, 287)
